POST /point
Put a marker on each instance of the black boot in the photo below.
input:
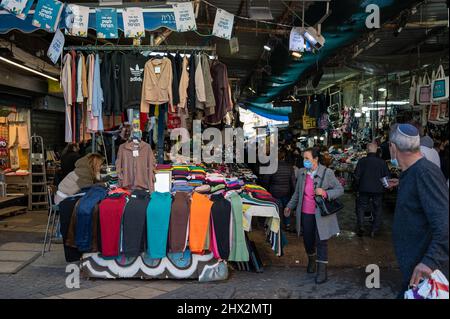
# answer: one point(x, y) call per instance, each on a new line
point(311, 264)
point(322, 275)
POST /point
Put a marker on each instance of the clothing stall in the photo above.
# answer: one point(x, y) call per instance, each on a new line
point(14, 159)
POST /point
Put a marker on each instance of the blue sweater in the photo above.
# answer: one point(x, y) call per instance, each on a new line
point(420, 229)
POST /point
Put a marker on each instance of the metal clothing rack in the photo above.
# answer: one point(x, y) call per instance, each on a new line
point(172, 48)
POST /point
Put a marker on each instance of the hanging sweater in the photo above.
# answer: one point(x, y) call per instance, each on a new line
point(135, 164)
point(131, 76)
point(199, 222)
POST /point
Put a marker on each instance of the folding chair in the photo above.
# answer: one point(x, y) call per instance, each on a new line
point(53, 219)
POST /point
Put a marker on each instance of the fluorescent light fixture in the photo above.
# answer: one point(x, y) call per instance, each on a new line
point(382, 89)
point(267, 48)
point(322, 138)
point(358, 114)
point(28, 69)
point(260, 13)
point(314, 38)
point(316, 137)
point(296, 54)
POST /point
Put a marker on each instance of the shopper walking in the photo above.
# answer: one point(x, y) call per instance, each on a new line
point(368, 174)
point(281, 185)
point(317, 229)
point(420, 229)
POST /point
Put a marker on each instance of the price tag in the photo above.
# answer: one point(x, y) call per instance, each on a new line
point(157, 69)
point(136, 153)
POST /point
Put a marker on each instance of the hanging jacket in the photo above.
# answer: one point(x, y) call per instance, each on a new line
point(116, 61)
point(157, 85)
point(66, 83)
point(192, 98)
point(221, 92)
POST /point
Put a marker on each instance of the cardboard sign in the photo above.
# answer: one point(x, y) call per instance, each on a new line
point(106, 21)
point(184, 16)
point(77, 20)
point(223, 24)
point(56, 47)
point(133, 22)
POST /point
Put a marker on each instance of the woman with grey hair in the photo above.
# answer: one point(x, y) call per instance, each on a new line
point(315, 180)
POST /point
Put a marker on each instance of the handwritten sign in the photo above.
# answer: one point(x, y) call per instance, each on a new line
point(184, 16)
point(223, 24)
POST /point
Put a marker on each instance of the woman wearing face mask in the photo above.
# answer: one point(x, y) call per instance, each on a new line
point(316, 228)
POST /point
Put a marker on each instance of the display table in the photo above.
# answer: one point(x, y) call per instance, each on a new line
point(175, 266)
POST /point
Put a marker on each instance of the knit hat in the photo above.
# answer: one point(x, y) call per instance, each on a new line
point(408, 130)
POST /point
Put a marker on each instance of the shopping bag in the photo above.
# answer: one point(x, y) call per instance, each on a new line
point(413, 91)
point(433, 113)
point(443, 112)
point(439, 86)
point(436, 287)
point(424, 90)
point(308, 122)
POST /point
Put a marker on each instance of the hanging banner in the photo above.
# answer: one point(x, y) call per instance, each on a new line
point(23, 15)
point(56, 47)
point(77, 20)
point(296, 40)
point(14, 6)
point(106, 20)
point(154, 18)
point(47, 14)
point(184, 16)
point(133, 23)
point(223, 24)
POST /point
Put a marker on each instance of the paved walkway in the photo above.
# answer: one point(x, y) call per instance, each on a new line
point(284, 277)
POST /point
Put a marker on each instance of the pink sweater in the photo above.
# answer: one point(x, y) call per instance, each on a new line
point(309, 204)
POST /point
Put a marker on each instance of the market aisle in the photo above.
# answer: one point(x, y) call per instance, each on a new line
point(283, 277)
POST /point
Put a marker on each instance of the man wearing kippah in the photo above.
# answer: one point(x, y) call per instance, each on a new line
point(420, 230)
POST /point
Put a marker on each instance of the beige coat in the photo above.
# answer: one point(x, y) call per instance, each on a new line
point(157, 86)
point(184, 83)
point(135, 172)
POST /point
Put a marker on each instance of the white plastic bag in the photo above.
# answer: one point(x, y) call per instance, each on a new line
point(436, 287)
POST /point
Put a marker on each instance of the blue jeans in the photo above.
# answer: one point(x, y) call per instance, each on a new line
point(161, 127)
point(83, 235)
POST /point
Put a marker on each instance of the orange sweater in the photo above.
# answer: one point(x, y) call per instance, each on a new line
point(199, 222)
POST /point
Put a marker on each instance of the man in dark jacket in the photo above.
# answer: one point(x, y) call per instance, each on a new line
point(368, 174)
point(281, 185)
point(420, 229)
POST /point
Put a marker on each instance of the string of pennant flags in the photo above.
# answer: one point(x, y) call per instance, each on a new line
point(51, 15)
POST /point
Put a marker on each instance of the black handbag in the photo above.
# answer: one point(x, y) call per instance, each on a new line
point(328, 207)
